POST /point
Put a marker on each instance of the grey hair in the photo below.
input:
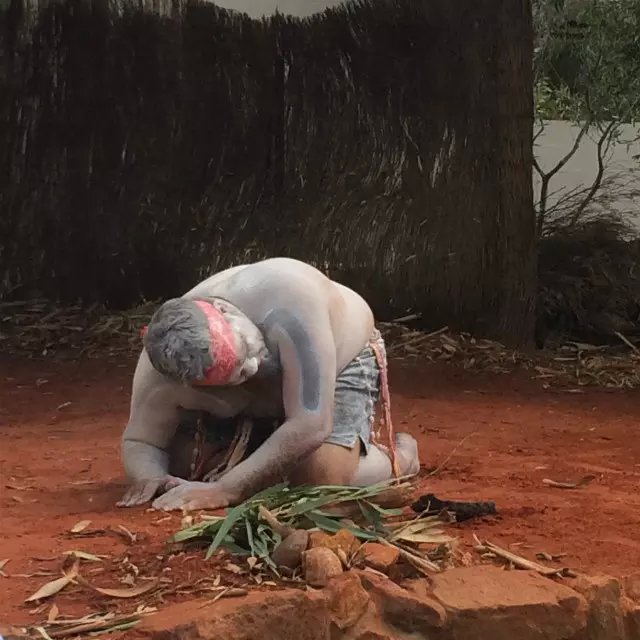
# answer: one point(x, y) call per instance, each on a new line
point(178, 342)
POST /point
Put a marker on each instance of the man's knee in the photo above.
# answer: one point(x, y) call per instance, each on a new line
point(330, 464)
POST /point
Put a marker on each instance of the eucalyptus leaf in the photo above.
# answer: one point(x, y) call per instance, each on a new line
point(232, 517)
point(330, 525)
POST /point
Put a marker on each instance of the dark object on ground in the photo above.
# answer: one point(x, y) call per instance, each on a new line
point(462, 510)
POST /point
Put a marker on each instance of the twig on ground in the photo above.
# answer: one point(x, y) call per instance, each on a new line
point(98, 625)
point(516, 560)
point(441, 466)
point(583, 482)
point(227, 592)
point(422, 564)
point(628, 342)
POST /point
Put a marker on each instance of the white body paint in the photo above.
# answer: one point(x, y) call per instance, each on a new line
point(338, 324)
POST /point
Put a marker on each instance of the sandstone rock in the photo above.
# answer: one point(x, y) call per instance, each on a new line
point(488, 602)
point(320, 565)
point(347, 600)
point(343, 543)
point(631, 612)
point(9, 632)
point(483, 603)
point(289, 552)
point(631, 584)
point(284, 615)
point(319, 539)
point(379, 556)
point(401, 608)
point(606, 619)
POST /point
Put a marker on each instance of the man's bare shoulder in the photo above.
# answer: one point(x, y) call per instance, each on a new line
point(272, 273)
point(286, 267)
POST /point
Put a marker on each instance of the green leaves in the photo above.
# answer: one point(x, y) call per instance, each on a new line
point(235, 515)
point(243, 531)
point(587, 60)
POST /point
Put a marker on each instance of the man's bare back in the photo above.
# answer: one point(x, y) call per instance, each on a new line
point(292, 331)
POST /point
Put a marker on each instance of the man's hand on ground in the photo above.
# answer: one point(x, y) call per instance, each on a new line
point(191, 496)
point(144, 491)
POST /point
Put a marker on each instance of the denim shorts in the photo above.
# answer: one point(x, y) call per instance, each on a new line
point(356, 395)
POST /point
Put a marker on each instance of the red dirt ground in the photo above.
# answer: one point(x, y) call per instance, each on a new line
point(59, 463)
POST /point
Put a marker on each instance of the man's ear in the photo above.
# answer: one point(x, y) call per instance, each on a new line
point(222, 306)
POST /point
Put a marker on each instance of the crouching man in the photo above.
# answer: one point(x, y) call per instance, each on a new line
point(273, 340)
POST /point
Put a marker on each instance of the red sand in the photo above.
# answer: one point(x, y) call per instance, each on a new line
point(59, 463)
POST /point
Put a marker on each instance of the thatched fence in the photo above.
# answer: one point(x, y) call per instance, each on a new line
point(386, 141)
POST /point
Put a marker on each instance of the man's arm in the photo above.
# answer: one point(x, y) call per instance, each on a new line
point(305, 343)
point(153, 420)
point(301, 333)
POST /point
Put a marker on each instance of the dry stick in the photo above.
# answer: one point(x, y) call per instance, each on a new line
point(518, 561)
point(277, 526)
point(408, 318)
point(417, 339)
point(422, 564)
point(441, 466)
point(583, 482)
point(628, 343)
point(228, 592)
point(100, 625)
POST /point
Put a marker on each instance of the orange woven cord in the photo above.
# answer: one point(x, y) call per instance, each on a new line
point(385, 420)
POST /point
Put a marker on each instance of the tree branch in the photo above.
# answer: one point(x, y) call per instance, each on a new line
point(546, 177)
point(605, 137)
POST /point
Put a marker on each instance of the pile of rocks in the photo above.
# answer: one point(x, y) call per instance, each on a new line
point(322, 556)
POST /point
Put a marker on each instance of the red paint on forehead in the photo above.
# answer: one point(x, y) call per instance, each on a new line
point(223, 346)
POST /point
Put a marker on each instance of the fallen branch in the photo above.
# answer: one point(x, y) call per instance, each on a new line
point(517, 561)
point(441, 466)
point(628, 342)
point(421, 564)
point(98, 625)
point(273, 522)
point(583, 482)
point(227, 592)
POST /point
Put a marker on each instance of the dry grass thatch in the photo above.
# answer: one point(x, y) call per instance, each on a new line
point(319, 149)
point(38, 329)
point(567, 364)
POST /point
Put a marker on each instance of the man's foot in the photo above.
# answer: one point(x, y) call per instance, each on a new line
point(407, 454)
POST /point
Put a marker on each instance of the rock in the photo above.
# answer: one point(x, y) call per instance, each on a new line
point(631, 585)
point(9, 632)
point(320, 565)
point(488, 602)
point(285, 615)
point(604, 596)
point(482, 603)
point(288, 553)
point(631, 619)
point(347, 600)
point(399, 607)
point(379, 556)
point(319, 539)
point(343, 543)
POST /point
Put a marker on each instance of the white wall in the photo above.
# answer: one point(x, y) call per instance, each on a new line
point(557, 139)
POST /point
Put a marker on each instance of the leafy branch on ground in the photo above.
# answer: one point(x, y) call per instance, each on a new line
point(255, 527)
